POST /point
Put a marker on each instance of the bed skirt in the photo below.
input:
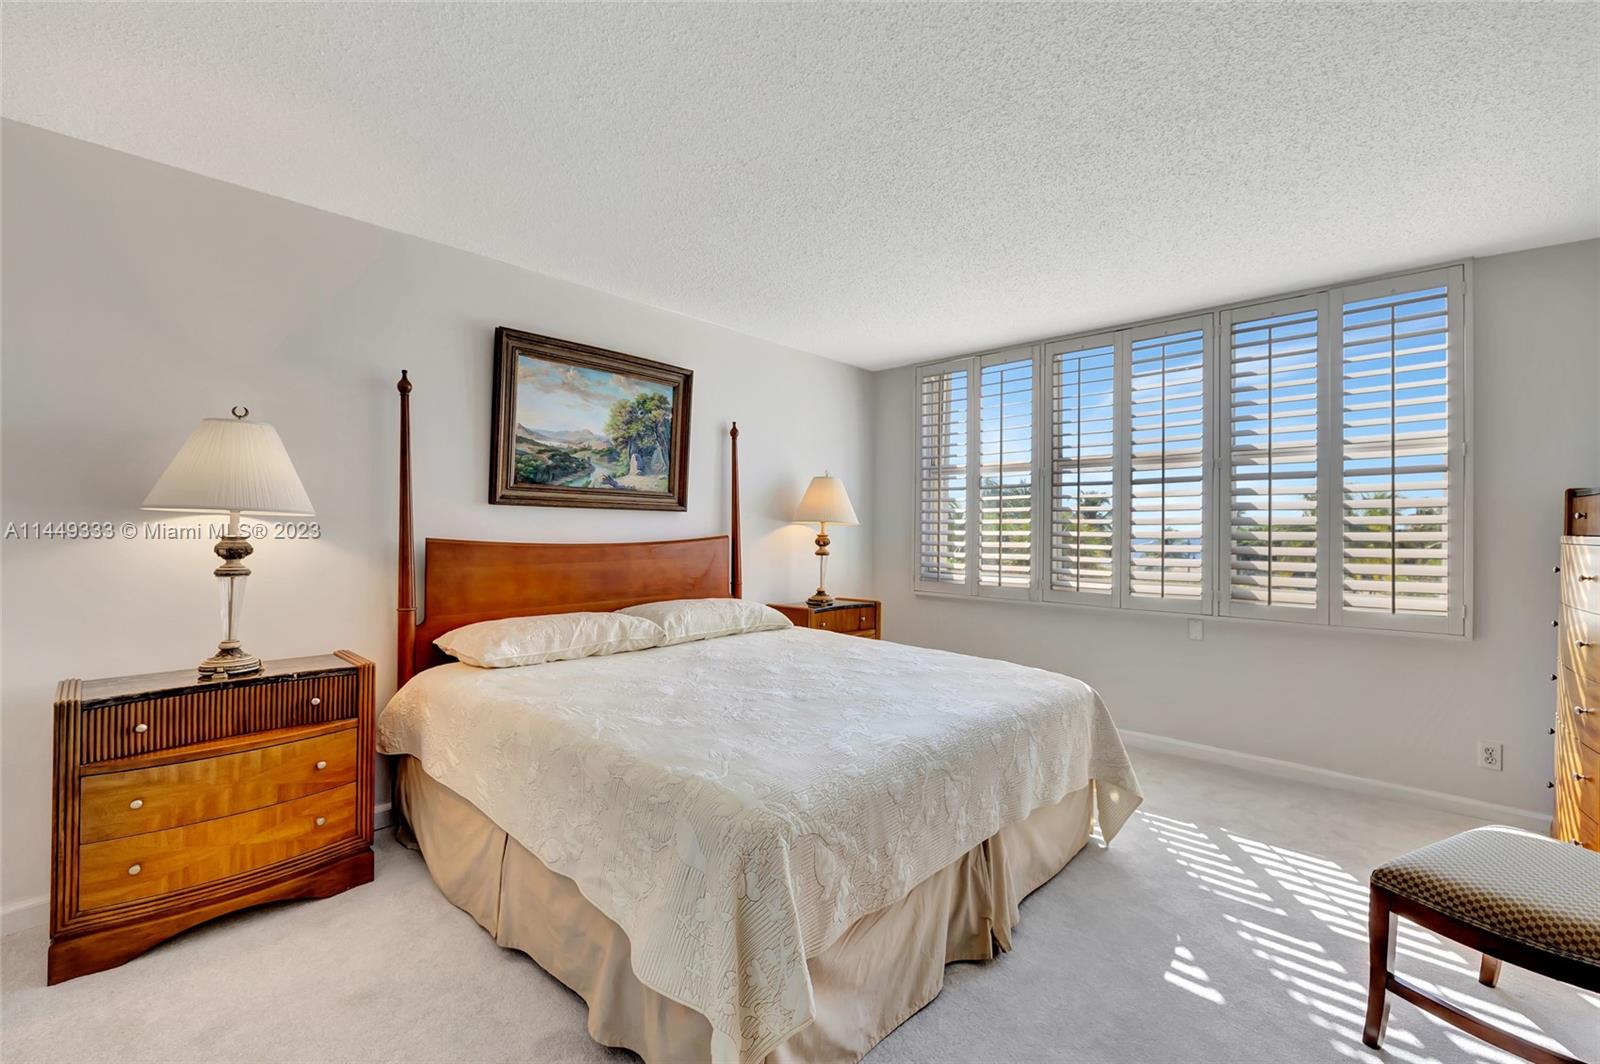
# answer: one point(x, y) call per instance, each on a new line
point(866, 983)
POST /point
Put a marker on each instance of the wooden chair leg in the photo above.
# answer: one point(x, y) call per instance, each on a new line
point(1381, 942)
point(1489, 971)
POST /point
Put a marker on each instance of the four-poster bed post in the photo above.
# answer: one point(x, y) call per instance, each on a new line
point(735, 560)
point(406, 641)
point(469, 581)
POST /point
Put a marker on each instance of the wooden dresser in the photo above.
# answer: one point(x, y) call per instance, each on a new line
point(177, 800)
point(1577, 728)
point(846, 616)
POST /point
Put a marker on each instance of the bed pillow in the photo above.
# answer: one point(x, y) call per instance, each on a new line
point(556, 637)
point(686, 620)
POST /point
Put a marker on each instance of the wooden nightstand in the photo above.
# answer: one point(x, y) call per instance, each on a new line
point(178, 800)
point(846, 616)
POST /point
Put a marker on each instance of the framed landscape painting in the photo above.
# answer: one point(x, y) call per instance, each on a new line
point(582, 426)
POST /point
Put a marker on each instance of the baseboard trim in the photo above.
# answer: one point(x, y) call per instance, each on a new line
point(24, 914)
point(35, 912)
point(1294, 770)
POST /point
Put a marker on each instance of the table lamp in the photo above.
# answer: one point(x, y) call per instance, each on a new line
point(825, 503)
point(231, 467)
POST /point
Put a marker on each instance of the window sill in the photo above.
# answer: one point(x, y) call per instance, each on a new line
point(1221, 618)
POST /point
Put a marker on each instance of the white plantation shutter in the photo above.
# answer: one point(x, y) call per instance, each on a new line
point(1298, 459)
point(1168, 466)
point(1083, 420)
point(1402, 432)
point(942, 460)
point(1270, 514)
point(1005, 473)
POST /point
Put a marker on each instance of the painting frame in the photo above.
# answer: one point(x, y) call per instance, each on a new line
point(510, 346)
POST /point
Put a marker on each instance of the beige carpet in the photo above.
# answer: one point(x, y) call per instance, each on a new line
point(1225, 924)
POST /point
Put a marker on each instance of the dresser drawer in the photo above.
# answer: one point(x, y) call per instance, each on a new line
point(116, 804)
point(127, 729)
point(1585, 771)
point(1567, 821)
point(1583, 515)
point(1578, 645)
point(1579, 706)
point(1588, 831)
point(849, 619)
point(1580, 574)
point(1576, 786)
point(161, 862)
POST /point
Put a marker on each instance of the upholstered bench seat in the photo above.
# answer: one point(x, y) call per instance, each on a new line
point(1512, 895)
point(1525, 887)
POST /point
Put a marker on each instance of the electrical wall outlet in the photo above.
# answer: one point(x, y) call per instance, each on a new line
point(1491, 756)
point(1197, 629)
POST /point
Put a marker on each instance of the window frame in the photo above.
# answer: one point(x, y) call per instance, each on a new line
point(1454, 279)
point(1215, 600)
point(1329, 486)
point(1000, 357)
point(969, 571)
point(1205, 324)
point(972, 586)
point(1049, 352)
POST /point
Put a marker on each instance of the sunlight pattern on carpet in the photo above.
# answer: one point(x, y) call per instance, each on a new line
point(1258, 879)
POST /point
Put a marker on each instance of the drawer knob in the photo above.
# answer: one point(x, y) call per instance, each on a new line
point(321, 820)
point(137, 803)
point(1585, 579)
point(134, 870)
point(1579, 777)
point(140, 728)
point(1582, 710)
point(316, 701)
point(1583, 645)
point(1581, 515)
point(321, 765)
point(1555, 568)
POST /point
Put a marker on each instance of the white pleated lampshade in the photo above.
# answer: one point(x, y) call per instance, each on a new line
point(231, 465)
point(826, 501)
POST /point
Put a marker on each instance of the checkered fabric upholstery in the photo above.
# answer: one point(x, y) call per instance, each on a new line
point(1516, 884)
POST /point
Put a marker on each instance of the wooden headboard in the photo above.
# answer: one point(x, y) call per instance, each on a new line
point(466, 581)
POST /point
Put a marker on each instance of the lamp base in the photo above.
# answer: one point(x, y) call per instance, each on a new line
point(229, 661)
point(821, 597)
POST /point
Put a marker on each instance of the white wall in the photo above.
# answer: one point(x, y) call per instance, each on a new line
point(138, 299)
point(1402, 709)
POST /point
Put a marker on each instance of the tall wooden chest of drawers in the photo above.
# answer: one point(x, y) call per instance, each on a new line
point(1577, 729)
point(178, 800)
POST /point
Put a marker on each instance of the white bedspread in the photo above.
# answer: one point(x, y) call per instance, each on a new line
point(735, 804)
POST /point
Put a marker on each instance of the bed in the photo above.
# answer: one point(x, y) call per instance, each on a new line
point(765, 846)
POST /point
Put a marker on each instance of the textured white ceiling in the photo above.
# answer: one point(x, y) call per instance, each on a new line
point(877, 184)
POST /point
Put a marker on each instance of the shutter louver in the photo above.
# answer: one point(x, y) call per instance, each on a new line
point(1272, 538)
point(942, 492)
point(1083, 470)
point(1005, 475)
point(1166, 523)
point(1396, 432)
